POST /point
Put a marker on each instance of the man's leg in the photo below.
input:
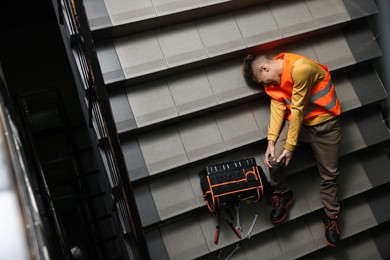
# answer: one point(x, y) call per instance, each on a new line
point(278, 171)
point(325, 147)
point(282, 196)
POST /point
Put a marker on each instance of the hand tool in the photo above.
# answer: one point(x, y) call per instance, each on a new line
point(234, 250)
point(227, 216)
point(248, 234)
point(219, 255)
point(217, 229)
point(238, 224)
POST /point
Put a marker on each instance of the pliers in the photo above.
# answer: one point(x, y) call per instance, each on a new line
point(217, 230)
point(226, 216)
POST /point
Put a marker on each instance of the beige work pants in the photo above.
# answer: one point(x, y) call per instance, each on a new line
point(324, 140)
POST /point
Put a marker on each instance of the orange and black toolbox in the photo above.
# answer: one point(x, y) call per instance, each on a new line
point(232, 182)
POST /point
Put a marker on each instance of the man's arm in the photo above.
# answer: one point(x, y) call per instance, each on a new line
point(304, 77)
point(278, 110)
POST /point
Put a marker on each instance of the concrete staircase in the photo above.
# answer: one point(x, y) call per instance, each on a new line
point(173, 73)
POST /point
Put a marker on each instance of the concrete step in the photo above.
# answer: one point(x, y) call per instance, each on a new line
point(299, 236)
point(158, 201)
point(118, 18)
point(359, 246)
point(173, 73)
point(152, 54)
point(174, 147)
point(110, 18)
point(219, 86)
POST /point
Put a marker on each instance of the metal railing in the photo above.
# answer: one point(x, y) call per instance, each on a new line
point(73, 15)
point(22, 233)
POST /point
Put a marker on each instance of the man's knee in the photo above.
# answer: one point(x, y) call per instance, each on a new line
point(277, 165)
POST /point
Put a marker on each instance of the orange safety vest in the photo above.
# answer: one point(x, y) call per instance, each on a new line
point(322, 98)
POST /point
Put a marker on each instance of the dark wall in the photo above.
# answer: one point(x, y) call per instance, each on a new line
point(32, 52)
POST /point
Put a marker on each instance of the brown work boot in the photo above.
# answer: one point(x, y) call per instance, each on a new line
point(280, 202)
point(332, 233)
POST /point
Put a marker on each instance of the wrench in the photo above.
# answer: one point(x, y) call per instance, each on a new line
point(248, 234)
point(234, 250)
point(219, 255)
point(237, 207)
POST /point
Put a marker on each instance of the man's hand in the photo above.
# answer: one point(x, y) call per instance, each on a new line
point(286, 155)
point(269, 153)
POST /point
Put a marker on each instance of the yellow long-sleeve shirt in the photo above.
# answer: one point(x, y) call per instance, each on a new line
point(305, 74)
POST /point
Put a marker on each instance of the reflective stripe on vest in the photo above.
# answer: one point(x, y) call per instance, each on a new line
point(311, 107)
point(308, 109)
point(320, 102)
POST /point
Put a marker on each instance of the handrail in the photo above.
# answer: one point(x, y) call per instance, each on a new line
point(100, 115)
point(20, 215)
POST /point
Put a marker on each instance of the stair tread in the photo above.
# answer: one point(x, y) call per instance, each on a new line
point(355, 179)
point(171, 147)
point(214, 86)
point(179, 102)
point(159, 50)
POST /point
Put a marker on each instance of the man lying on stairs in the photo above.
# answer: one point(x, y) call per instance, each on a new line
point(305, 108)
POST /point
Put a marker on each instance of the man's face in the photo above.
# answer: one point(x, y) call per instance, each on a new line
point(263, 74)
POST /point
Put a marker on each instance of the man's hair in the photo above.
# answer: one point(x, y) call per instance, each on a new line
point(247, 68)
